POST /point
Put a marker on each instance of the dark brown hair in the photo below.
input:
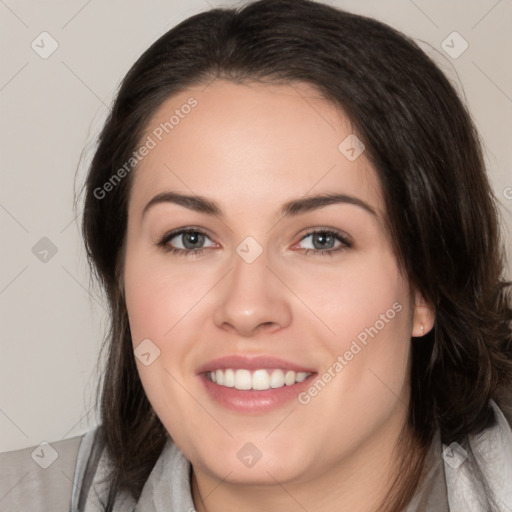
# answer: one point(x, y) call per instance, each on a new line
point(442, 217)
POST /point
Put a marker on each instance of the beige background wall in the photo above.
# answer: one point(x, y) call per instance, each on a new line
point(51, 321)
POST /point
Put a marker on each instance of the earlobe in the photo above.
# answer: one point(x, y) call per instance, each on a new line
point(422, 330)
point(424, 316)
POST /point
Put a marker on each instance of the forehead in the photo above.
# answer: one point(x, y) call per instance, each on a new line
point(263, 143)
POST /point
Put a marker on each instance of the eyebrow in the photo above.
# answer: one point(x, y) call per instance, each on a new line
point(291, 208)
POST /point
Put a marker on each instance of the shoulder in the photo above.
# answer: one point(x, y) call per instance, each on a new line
point(492, 450)
point(40, 477)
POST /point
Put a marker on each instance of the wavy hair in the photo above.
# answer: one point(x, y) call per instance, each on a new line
point(442, 217)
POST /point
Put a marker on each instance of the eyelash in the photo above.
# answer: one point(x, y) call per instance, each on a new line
point(345, 243)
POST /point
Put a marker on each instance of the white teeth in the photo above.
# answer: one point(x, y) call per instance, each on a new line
point(258, 380)
point(301, 376)
point(229, 378)
point(289, 378)
point(277, 379)
point(242, 379)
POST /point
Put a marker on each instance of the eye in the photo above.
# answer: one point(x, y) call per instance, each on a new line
point(323, 242)
point(184, 241)
point(190, 241)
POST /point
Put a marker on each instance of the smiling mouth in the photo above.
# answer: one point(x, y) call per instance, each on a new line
point(259, 380)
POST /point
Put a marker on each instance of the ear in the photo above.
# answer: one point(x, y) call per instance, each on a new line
point(424, 315)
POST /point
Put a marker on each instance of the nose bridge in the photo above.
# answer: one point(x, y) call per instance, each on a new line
point(251, 295)
point(250, 275)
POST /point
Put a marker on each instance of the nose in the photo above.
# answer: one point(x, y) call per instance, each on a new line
point(252, 299)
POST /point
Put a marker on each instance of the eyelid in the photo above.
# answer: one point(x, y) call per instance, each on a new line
point(164, 239)
point(344, 239)
point(341, 234)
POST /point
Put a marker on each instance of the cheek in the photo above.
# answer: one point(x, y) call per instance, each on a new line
point(159, 302)
point(158, 296)
point(365, 291)
point(367, 317)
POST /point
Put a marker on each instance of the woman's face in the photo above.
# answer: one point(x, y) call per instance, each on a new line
point(317, 325)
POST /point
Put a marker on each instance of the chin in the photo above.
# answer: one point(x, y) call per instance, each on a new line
point(250, 467)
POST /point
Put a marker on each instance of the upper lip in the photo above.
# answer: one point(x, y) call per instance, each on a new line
point(251, 363)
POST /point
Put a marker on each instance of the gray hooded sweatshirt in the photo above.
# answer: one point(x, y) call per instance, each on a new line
point(67, 476)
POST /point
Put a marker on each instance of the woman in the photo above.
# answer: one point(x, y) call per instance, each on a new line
point(289, 212)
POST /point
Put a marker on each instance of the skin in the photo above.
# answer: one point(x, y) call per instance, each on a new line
point(250, 148)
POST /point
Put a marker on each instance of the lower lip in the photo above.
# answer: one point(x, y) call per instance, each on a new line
point(253, 401)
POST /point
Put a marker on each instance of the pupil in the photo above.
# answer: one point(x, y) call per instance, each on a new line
point(323, 238)
point(194, 239)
